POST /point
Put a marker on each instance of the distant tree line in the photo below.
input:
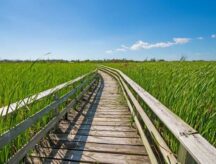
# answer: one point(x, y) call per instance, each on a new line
point(92, 61)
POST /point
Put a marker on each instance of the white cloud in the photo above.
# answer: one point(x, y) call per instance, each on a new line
point(139, 45)
point(125, 47)
point(181, 40)
point(200, 38)
point(146, 45)
point(213, 35)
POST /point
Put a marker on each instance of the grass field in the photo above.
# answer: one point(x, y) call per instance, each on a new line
point(186, 88)
point(19, 80)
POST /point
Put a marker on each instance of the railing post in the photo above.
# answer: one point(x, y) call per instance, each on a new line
point(56, 98)
point(184, 157)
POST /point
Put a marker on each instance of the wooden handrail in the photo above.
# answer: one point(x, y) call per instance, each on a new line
point(38, 136)
point(25, 124)
point(193, 145)
point(163, 147)
point(28, 100)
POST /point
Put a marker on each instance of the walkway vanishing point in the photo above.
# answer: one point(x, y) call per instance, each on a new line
point(99, 131)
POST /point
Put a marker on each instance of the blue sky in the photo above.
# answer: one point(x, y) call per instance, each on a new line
point(106, 29)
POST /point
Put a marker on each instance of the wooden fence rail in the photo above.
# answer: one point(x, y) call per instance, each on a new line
point(86, 80)
point(21, 127)
point(163, 147)
point(28, 100)
point(20, 154)
point(193, 147)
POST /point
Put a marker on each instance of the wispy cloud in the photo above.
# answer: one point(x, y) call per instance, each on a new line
point(146, 45)
point(213, 36)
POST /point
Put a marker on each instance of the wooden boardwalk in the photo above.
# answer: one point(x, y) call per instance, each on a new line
point(95, 123)
point(99, 130)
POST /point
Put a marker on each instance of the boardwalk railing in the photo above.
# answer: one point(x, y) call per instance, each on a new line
point(19, 104)
point(87, 81)
point(193, 147)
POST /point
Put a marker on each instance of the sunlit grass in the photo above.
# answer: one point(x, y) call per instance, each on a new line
point(186, 88)
point(19, 80)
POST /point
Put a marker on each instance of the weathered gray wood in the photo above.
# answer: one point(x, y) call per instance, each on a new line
point(103, 133)
point(108, 148)
point(152, 157)
point(110, 115)
point(92, 157)
point(23, 151)
point(21, 127)
point(65, 126)
point(184, 157)
point(163, 147)
point(197, 146)
point(105, 139)
point(105, 123)
point(96, 139)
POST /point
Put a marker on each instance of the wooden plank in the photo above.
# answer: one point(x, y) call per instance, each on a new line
point(105, 123)
point(97, 147)
point(98, 119)
point(103, 133)
point(72, 129)
point(101, 117)
point(99, 108)
point(98, 127)
point(113, 109)
point(95, 157)
point(198, 147)
point(105, 140)
point(112, 112)
point(111, 116)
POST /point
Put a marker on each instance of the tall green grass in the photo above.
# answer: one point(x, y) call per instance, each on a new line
point(186, 88)
point(19, 80)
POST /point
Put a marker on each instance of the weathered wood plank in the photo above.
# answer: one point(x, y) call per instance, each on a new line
point(96, 115)
point(103, 133)
point(94, 157)
point(108, 148)
point(65, 126)
point(105, 123)
point(106, 140)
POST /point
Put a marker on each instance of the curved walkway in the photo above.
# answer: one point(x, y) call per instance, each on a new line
point(98, 131)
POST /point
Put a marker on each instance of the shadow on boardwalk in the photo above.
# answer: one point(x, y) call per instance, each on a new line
point(73, 149)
